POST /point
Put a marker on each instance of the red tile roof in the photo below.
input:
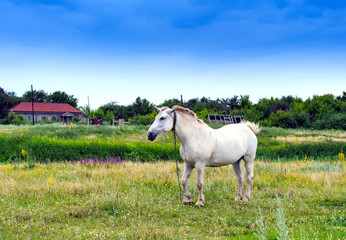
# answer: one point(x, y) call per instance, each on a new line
point(44, 107)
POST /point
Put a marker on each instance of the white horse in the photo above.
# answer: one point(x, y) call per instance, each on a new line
point(202, 146)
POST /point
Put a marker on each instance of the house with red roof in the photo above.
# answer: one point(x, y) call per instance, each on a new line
point(62, 112)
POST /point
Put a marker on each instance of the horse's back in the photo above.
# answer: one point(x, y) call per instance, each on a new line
point(233, 142)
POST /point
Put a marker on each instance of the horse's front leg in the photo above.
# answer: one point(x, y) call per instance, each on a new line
point(184, 181)
point(200, 175)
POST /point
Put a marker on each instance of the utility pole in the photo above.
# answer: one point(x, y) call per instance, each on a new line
point(181, 100)
point(32, 102)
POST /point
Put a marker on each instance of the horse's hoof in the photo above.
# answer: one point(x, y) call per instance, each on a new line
point(187, 202)
point(247, 198)
point(199, 204)
point(238, 199)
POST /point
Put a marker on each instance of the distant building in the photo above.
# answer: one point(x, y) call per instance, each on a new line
point(62, 112)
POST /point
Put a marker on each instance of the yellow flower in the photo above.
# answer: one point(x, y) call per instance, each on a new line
point(341, 156)
point(23, 153)
point(50, 180)
point(71, 125)
point(21, 130)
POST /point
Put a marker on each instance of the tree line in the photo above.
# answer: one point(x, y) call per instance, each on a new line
point(319, 112)
point(10, 99)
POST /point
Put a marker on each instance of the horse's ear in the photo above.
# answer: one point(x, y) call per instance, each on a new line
point(158, 109)
point(172, 110)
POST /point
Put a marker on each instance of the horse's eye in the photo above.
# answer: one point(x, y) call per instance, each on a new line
point(162, 118)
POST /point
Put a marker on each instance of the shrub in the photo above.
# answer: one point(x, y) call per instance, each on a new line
point(331, 121)
point(19, 120)
point(282, 119)
point(302, 119)
point(143, 119)
point(11, 117)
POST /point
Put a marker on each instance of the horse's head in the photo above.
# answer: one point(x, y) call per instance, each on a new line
point(164, 122)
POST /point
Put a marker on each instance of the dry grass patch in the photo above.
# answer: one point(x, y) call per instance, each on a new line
point(319, 139)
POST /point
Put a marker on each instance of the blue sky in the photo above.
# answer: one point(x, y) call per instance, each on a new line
point(116, 50)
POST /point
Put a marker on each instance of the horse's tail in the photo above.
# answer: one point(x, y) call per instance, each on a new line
point(253, 126)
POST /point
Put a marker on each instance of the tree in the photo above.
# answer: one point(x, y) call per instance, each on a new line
point(86, 111)
point(190, 104)
point(62, 97)
point(342, 98)
point(7, 100)
point(109, 116)
point(39, 96)
point(229, 104)
point(319, 106)
point(141, 107)
point(199, 106)
point(245, 102)
point(99, 114)
point(111, 106)
point(170, 103)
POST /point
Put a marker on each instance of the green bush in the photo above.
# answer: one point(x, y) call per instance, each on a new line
point(302, 119)
point(282, 119)
point(11, 117)
point(45, 149)
point(19, 120)
point(331, 121)
point(293, 151)
point(143, 119)
point(55, 150)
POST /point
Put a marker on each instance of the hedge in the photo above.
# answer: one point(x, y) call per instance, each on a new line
point(55, 150)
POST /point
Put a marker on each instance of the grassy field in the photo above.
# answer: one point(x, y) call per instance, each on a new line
point(296, 200)
point(303, 198)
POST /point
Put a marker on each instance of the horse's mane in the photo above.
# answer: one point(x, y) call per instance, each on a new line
point(187, 112)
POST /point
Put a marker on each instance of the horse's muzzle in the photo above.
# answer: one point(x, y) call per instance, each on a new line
point(152, 136)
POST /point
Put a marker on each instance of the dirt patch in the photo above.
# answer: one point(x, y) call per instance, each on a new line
point(91, 137)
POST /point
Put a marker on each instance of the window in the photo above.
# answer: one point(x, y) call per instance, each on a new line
point(54, 118)
point(28, 118)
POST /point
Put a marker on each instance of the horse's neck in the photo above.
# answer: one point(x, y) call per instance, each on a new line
point(188, 129)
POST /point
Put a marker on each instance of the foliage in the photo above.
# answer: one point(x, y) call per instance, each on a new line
point(55, 97)
point(38, 96)
point(99, 114)
point(7, 100)
point(319, 112)
point(109, 116)
point(19, 120)
point(11, 117)
point(62, 97)
point(282, 119)
point(47, 143)
point(143, 119)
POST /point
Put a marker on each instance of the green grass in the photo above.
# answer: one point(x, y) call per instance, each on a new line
point(141, 200)
point(298, 199)
point(49, 143)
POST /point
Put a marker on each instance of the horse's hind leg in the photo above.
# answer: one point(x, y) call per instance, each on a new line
point(249, 161)
point(187, 195)
point(200, 167)
point(240, 177)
